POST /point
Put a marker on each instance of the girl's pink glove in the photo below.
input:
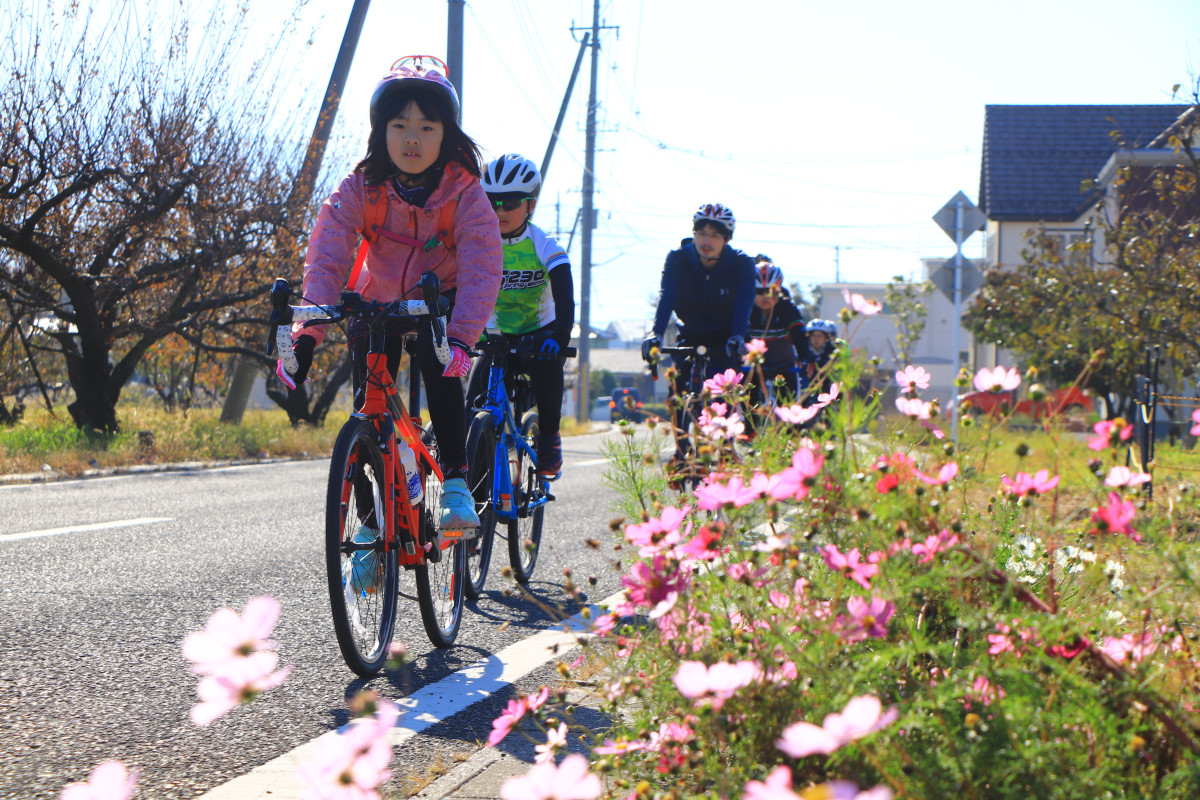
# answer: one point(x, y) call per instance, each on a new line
point(460, 363)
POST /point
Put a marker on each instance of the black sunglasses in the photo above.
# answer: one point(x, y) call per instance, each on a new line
point(508, 205)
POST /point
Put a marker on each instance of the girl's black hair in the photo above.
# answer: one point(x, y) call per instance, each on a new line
point(457, 146)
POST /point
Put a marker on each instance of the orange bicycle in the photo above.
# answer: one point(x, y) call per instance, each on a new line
point(381, 509)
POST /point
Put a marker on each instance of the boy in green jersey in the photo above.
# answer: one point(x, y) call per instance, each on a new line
point(537, 295)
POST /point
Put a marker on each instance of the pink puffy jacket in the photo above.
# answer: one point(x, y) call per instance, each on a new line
point(392, 268)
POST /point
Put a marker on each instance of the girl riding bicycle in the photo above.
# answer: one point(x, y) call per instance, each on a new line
point(416, 200)
point(537, 296)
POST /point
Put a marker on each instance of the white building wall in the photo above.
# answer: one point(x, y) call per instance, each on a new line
point(876, 336)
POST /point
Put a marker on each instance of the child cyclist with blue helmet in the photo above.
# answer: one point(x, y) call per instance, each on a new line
point(537, 296)
point(418, 180)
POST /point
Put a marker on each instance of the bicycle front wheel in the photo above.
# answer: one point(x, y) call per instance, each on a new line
point(363, 576)
point(525, 532)
point(441, 578)
point(481, 455)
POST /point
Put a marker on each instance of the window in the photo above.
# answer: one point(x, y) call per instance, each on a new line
point(1067, 247)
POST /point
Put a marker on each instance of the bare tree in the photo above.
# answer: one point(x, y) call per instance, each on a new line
point(143, 188)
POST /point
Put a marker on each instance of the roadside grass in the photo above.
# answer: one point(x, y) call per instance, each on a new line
point(151, 435)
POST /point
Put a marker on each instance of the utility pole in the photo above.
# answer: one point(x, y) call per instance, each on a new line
point(588, 214)
point(454, 44)
point(245, 371)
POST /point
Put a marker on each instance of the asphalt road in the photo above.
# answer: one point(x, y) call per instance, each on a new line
point(91, 621)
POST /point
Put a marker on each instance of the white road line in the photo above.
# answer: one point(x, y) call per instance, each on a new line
point(591, 463)
point(277, 779)
point(99, 526)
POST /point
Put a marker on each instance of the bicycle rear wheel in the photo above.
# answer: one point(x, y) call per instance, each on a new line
point(362, 575)
point(481, 455)
point(525, 532)
point(441, 578)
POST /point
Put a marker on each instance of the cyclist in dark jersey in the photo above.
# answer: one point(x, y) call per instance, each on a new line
point(777, 321)
point(709, 287)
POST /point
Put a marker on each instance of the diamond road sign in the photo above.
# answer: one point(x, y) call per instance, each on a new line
point(943, 278)
point(972, 218)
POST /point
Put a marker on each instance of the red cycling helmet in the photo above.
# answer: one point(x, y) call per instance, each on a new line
point(408, 70)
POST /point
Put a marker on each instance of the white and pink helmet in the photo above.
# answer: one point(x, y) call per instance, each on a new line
point(405, 71)
point(715, 212)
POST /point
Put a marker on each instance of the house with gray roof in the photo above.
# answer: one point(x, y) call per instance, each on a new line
point(1041, 165)
point(1049, 168)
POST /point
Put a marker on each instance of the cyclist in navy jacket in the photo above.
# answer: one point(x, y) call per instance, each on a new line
point(709, 286)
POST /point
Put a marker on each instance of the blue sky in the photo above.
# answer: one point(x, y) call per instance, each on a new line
point(833, 130)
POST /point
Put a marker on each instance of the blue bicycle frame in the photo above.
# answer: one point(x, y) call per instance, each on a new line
point(508, 439)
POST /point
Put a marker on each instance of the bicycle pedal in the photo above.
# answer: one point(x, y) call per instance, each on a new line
point(549, 496)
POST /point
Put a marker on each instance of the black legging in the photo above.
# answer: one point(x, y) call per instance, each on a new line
point(443, 395)
point(545, 378)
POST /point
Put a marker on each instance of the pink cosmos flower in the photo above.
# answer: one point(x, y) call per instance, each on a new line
point(516, 708)
point(555, 738)
point(1026, 485)
point(1195, 431)
point(849, 564)
point(1124, 476)
point(1000, 379)
point(868, 618)
point(825, 398)
point(712, 496)
point(570, 780)
point(228, 637)
point(619, 747)
point(351, 763)
point(794, 481)
point(935, 544)
point(946, 474)
point(860, 305)
point(719, 425)
point(718, 385)
point(912, 378)
point(1137, 648)
point(983, 692)
point(797, 414)
point(777, 786)
point(1110, 433)
point(861, 717)
point(1115, 517)
point(107, 781)
point(660, 533)
point(755, 350)
point(808, 463)
point(236, 682)
point(914, 407)
point(503, 724)
point(604, 624)
point(669, 733)
point(716, 684)
point(656, 584)
point(700, 546)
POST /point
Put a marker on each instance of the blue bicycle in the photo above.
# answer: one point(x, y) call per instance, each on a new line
point(501, 444)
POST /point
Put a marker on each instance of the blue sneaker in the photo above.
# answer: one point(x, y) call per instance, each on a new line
point(364, 570)
point(458, 506)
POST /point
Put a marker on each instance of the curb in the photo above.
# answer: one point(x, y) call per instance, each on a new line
point(51, 475)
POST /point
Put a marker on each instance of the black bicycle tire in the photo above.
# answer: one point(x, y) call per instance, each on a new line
point(441, 636)
point(481, 455)
point(356, 437)
point(526, 483)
